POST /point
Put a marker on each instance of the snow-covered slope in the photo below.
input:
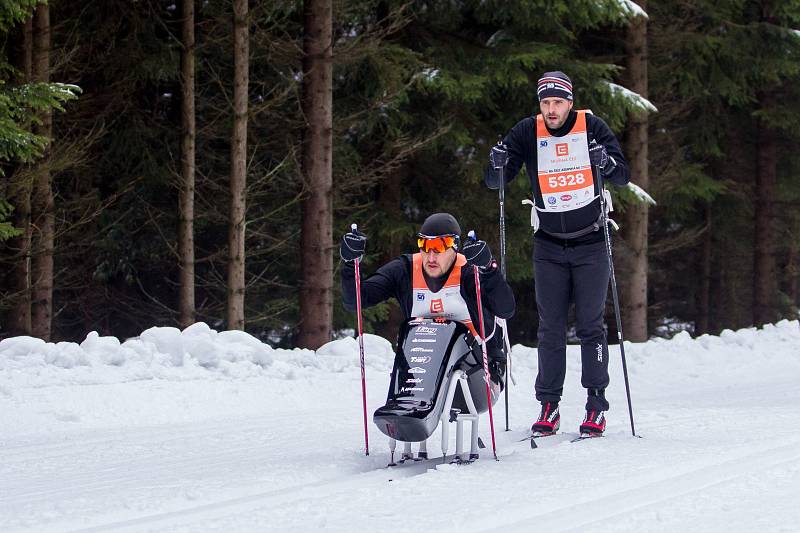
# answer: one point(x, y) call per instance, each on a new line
point(206, 431)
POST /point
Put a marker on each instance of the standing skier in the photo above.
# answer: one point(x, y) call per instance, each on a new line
point(437, 282)
point(561, 148)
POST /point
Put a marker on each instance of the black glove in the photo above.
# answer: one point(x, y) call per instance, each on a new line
point(498, 156)
point(497, 372)
point(598, 155)
point(353, 245)
point(477, 254)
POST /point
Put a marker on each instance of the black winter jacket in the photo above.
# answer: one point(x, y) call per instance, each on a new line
point(394, 280)
point(521, 142)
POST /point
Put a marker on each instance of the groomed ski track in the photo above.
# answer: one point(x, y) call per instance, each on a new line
point(720, 452)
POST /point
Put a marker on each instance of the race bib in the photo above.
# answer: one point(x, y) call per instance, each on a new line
point(564, 168)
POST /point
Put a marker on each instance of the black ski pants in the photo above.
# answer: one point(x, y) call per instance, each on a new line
point(565, 274)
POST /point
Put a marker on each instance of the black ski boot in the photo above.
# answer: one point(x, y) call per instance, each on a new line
point(594, 423)
point(548, 422)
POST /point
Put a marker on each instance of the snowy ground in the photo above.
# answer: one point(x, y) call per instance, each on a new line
point(206, 431)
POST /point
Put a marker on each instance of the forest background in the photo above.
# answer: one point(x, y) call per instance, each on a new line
point(166, 162)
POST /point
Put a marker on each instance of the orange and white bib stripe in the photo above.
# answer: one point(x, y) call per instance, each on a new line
point(445, 303)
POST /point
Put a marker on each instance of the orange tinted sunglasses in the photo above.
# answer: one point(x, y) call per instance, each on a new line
point(437, 244)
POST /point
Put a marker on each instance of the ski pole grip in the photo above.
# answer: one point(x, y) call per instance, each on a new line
point(472, 236)
point(354, 227)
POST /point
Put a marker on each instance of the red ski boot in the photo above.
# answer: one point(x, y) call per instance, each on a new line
point(548, 422)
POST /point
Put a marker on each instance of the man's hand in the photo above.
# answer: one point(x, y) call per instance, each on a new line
point(598, 155)
point(478, 254)
point(497, 372)
point(353, 245)
point(498, 156)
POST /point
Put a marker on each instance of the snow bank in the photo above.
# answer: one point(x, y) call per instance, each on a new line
point(680, 360)
point(197, 352)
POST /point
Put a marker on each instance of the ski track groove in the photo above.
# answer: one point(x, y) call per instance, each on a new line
point(155, 435)
point(139, 469)
point(609, 504)
point(254, 501)
point(631, 499)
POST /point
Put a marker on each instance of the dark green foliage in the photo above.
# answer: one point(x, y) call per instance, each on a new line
point(13, 12)
point(421, 91)
point(6, 229)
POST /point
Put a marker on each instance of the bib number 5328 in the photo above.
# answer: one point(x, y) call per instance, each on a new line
point(566, 180)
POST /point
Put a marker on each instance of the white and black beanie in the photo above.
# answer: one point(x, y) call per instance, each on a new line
point(554, 84)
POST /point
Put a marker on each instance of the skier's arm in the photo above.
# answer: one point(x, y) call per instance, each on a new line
point(378, 287)
point(496, 294)
point(616, 171)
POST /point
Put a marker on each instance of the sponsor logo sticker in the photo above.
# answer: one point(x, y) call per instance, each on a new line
point(420, 359)
point(421, 349)
point(417, 370)
point(562, 149)
point(437, 306)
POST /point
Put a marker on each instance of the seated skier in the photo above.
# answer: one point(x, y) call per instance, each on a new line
point(438, 281)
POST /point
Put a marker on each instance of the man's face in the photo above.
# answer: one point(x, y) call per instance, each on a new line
point(436, 264)
point(555, 111)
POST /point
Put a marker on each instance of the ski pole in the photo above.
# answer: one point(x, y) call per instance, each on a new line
point(502, 192)
point(483, 347)
point(354, 227)
point(614, 293)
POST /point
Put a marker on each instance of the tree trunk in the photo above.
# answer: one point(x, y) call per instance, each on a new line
point(634, 228)
point(702, 323)
point(390, 205)
point(186, 304)
point(19, 194)
point(238, 181)
point(792, 269)
point(42, 207)
point(316, 292)
point(764, 267)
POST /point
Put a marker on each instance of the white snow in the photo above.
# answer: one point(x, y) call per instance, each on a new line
point(632, 9)
point(199, 430)
point(635, 99)
point(641, 194)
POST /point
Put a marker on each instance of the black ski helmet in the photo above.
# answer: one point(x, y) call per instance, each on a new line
point(439, 225)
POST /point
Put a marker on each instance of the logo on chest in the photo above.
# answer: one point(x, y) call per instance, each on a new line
point(437, 306)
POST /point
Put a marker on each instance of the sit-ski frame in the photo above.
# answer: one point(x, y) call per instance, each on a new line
point(448, 415)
